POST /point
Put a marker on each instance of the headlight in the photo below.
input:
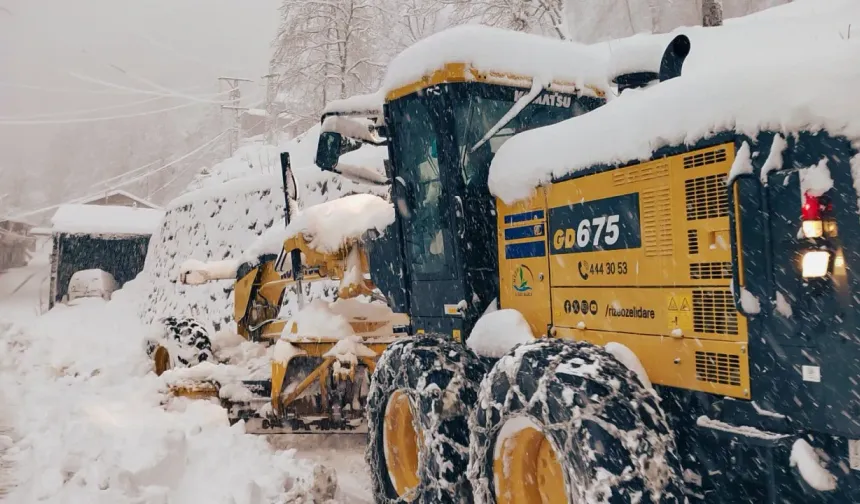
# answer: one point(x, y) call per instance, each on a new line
point(813, 229)
point(815, 263)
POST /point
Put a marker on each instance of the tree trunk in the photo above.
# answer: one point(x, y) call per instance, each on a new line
point(712, 13)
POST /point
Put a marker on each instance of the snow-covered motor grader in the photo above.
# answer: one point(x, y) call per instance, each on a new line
point(656, 295)
point(321, 358)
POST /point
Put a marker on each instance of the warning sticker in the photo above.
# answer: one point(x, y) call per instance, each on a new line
point(680, 312)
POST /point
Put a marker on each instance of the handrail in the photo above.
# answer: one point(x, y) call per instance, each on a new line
point(736, 287)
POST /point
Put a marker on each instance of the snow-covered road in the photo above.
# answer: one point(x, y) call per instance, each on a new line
point(93, 424)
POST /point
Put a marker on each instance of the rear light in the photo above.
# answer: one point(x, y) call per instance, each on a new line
point(815, 263)
point(812, 212)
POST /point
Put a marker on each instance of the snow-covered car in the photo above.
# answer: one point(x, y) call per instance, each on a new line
point(91, 283)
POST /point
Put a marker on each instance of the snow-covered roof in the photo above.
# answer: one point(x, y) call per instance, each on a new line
point(120, 192)
point(105, 220)
point(804, 86)
point(484, 50)
point(371, 103)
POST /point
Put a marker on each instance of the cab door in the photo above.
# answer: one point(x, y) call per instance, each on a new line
point(424, 202)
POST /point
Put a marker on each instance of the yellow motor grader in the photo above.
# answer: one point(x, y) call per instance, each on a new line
point(317, 381)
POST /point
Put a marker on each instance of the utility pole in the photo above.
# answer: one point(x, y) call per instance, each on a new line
point(712, 12)
point(271, 94)
point(235, 97)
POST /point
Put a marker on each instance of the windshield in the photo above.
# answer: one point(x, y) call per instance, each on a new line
point(476, 115)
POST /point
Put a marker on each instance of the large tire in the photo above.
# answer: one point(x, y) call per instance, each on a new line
point(181, 342)
point(610, 437)
point(441, 379)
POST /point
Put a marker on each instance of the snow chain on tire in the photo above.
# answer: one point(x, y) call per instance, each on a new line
point(609, 433)
point(189, 336)
point(441, 379)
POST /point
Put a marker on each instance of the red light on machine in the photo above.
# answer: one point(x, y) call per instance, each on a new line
point(811, 209)
point(811, 213)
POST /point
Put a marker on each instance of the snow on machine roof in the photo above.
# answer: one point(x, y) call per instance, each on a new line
point(809, 86)
point(475, 53)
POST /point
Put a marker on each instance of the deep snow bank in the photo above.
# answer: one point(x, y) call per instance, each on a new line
point(92, 428)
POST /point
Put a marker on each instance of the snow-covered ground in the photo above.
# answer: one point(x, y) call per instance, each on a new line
point(85, 420)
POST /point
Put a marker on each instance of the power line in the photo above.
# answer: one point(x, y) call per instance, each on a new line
point(83, 111)
point(171, 94)
point(61, 90)
point(123, 184)
point(39, 122)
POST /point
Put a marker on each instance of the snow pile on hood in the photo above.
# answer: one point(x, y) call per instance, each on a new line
point(498, 332)
point(748, 96)
point(793, 28)
point(91, 427)
point(316, 320)
point(328, 226)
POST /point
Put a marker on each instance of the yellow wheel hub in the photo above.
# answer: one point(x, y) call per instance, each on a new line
point(526, 470)
point(402, 444)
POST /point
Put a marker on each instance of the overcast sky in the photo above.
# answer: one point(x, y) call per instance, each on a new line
point(176, 43)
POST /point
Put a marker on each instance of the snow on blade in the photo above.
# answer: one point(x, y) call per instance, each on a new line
point(110, 220)
point(742, 164)
point(488, 49)
point(317, 320)
point(329, 226)
point(816, 180)
point(628, 358)
point(685, 110)
point(498, 332)
point(803, 457)
point(774, 158)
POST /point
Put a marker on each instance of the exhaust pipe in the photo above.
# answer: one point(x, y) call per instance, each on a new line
point(673, 58)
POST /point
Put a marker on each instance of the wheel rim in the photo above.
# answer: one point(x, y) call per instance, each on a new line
point(526, 470)
point(162, 360)
point(402, 444)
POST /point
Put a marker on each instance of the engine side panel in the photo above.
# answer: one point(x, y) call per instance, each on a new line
point(641, 255)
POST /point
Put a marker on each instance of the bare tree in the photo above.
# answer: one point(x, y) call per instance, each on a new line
point(409, 21)
point(546, 17)
point(324, 51)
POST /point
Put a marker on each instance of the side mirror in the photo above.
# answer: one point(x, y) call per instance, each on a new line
point(328, 150)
